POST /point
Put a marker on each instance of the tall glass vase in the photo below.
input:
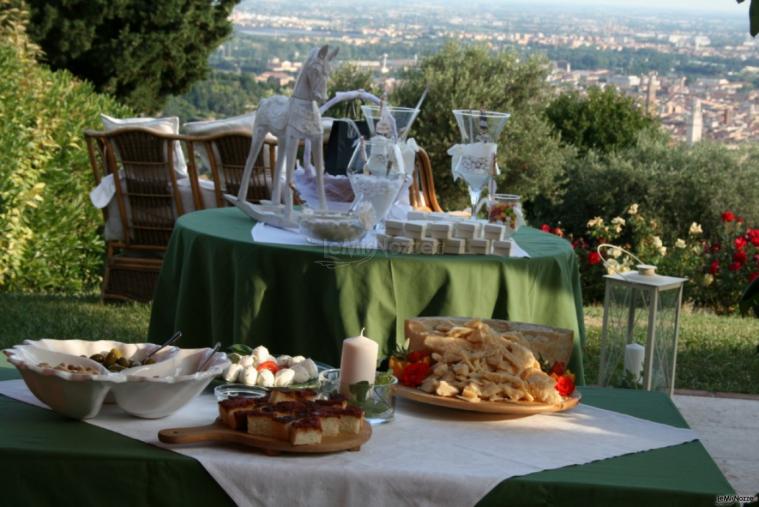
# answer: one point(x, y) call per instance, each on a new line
point(474, 160)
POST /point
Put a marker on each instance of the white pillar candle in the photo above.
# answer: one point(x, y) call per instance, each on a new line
point(634, 356)
point(358, 361)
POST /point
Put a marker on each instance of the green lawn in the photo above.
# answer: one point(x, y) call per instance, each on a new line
point(716, 353)
point(30, 316)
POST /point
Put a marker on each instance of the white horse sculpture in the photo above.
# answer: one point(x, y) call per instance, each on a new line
point(290, 119)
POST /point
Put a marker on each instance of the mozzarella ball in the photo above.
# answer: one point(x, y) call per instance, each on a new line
point(260, 354)
point(265, 378)
point(311, 368)
point(249, 376)
point(246, 361)
point(284, 361)
point(301, 374)
point(231, 372)
point(284, 377)
point(298, 359)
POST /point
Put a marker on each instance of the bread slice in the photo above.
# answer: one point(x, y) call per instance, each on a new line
point(552, 344)
point(281, 395)
point(300, 422)
point(228, 410)
point(350, 420)
point(330, 420)
point(306, 431)
point(334, 402)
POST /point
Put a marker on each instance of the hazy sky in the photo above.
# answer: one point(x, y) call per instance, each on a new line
point(725, 6)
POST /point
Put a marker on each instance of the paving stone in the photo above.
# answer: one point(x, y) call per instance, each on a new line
point(729, 429)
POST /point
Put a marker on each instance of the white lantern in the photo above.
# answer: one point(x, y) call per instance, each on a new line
point(640, 328)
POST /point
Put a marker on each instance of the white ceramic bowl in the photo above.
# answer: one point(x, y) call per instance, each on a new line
point(149, 391)
point(160, 389)
point(87, 348)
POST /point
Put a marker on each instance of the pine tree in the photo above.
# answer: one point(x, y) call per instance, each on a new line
point(137, 50)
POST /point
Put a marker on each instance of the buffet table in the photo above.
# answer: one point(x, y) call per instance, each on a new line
point(46, 459)
point(216, 284)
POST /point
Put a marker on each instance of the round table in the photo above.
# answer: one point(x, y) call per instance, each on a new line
point(217, 284)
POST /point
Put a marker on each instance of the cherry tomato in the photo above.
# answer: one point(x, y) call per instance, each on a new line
point(268, 365)
point(418, 355)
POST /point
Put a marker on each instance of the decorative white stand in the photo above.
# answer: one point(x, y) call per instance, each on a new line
point(290, 119)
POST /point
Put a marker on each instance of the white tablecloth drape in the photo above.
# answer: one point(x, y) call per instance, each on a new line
point(426, 456)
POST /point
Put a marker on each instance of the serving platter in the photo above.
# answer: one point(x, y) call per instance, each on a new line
point(218, 432)
point(505, 407)
point(310, 384)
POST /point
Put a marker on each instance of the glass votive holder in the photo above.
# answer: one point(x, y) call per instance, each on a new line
point(376, 400)
point(506, 209)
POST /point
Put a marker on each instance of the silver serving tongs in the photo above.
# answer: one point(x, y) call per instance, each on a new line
point(176, 336)
point(205, 362)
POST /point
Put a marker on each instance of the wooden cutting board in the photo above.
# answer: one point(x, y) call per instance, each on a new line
point(512, 408)
point(217, 432)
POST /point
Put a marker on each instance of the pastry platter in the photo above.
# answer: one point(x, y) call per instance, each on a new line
point(486, 365)
point(218, 432)
point(505, 407)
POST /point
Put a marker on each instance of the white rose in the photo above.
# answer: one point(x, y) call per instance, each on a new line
point(680, 243)
point(618, 221)
point(597, 221)
point(708, 279)
point(663, 251)
point(695, 229)
point(657, 242)
point(633, 209)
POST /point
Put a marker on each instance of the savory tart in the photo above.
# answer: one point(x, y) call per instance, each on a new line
point(294, 416)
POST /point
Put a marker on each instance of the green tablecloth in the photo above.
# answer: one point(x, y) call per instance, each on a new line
point(49, 460)
point(216, 284)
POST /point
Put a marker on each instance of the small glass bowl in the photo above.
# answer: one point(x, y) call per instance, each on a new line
point(332, 227)
point(506, 209)
point(379, 405)
point(226, 391)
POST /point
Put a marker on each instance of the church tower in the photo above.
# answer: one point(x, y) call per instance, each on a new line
point(696, 125)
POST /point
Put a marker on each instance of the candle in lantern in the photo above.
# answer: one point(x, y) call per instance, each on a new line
point(634, 356)
point(358, 361)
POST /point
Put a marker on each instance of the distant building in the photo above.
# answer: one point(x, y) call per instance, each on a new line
point(562, 66)
point(653, 86)
point(277, 78)
point(624, 81)
point(696, 125)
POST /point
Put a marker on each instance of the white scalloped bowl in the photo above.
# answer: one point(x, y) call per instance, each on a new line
point(136, 351)
point(74, 395)
point(161, 389)
point(149, 391)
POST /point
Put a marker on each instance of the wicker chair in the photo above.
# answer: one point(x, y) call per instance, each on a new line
point(422, 194)
point(148, 202)
point(227, 153)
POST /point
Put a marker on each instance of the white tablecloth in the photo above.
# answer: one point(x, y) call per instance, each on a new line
point(263, 233)
point(426, 456)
